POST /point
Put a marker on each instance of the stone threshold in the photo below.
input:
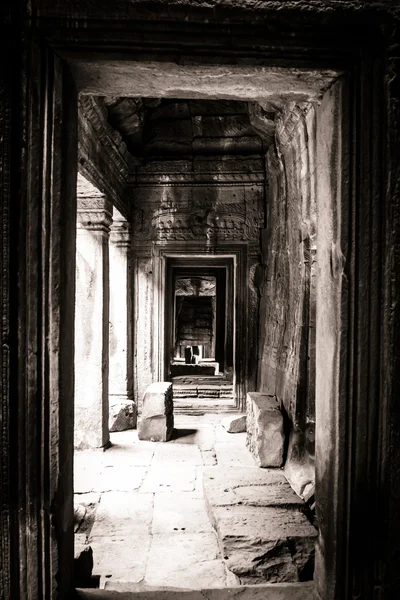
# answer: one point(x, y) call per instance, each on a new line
point(273, 591)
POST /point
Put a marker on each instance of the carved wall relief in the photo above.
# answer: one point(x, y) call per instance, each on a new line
point(197, 218)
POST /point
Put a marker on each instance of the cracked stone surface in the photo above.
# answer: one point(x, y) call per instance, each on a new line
point(263, 533)
point(141, 507)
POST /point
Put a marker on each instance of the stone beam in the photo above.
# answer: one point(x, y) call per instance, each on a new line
point(169, 79)
point(103, 158)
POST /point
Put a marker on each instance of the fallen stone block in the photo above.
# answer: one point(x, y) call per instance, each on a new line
point(235, 424)
point(266, 544)
point(265, 429)
point(156, 422)
point(263, 533)
point(123, 415)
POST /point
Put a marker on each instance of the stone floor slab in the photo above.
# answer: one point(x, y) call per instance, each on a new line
point(121, 479)
point(173, 454)
point(173, 479)
point(180, 512)
point(120, 558)
point(222, 435)
point(185, 560)
point(227, 485)
point(201, 436)
point(123, 514)
point(233, 454)
point(137, 455)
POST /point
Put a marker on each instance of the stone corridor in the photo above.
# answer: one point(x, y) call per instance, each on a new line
point(140, 506)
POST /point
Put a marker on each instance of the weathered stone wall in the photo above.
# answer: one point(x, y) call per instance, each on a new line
point(287, 346)
point(290, 246)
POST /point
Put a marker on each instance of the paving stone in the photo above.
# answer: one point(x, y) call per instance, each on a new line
point(123, 514)
point(232, 455)
point(173, 454)
point(235, 424)
point(126, 438)
point(180, 513)
point(265, 429)
point(265, 543)
point(156, 422)
point(138, 455)
point(123, 558)
point(209, 458)
point(121, 479)
point(173, 479)
point(201, 436)
point(222, 435)
point(188, 560)
point(229, 486)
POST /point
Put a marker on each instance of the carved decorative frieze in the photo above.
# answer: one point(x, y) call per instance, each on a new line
point(109, 175)
point(205, 213)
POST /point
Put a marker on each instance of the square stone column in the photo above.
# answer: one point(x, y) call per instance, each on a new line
point(122, 406)
point(92, 320)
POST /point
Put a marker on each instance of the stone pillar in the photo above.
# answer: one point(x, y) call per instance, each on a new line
point(122, 406)
point(92, 320)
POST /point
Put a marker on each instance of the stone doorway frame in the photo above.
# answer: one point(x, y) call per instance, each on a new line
point(234, 258)
point(38, 224)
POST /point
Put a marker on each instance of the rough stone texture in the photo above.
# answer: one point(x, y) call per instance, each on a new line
point(288, 295)
point(288, 323)
point(235, 424)
point(265, 429)
point(266, 544)
point(123, 415)
point(156, 422)
point(263, 533)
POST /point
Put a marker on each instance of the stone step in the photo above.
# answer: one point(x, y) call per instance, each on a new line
point(263, 533)
point(130, 591)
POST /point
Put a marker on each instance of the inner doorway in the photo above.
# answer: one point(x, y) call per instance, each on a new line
point(200, 333)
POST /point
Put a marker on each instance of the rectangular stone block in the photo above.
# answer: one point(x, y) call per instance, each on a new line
point(202, 368)
point(265, 429)
point(156, 423)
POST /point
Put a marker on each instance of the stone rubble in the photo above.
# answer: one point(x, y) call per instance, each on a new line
point(235, 424)
point(123, 415)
